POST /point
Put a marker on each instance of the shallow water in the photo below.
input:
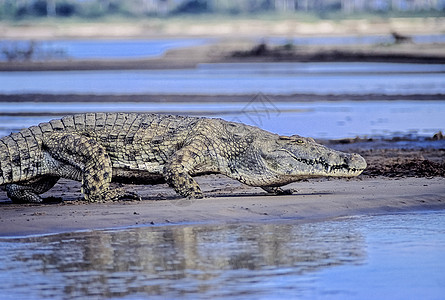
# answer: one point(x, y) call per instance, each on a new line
point(316, 119)
point(238, 78)
point(103, 49)
point(375, 257)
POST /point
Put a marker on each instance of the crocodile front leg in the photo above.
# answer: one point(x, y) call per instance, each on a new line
point(177, 171)
point(84, 159)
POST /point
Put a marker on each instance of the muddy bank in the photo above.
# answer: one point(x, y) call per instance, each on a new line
point(208, 98)
point(340, 56)
point(398, 52)
point(398, 157)
point(191, 62)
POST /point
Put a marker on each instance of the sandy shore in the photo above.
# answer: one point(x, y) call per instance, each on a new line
point(217, 26)
point(226, 202)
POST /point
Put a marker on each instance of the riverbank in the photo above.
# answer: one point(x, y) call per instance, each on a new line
point(226, 202)
point(245, 51)
point(401, 176)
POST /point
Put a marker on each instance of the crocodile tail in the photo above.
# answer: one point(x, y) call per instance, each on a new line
point(20, 156)
point(4, 161)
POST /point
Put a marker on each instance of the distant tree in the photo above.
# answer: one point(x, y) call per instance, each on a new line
point(193, 7)
point(37, 8)
point(98, 8)
point(66, 9)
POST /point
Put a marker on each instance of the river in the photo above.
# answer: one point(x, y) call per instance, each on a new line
point(238, 78)
point(316, 119)
point(397, 256)
point(319, 119)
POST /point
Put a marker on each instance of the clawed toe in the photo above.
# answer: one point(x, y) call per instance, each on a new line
point(279, 191)
point(130, 196)
point(286, 192)
point(196, 195)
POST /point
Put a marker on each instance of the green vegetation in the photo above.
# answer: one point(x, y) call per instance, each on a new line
point(16, 10)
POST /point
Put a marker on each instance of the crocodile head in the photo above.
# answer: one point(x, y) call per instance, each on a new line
point(296, 157)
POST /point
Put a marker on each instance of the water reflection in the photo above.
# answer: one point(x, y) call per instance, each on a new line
point(177, 261)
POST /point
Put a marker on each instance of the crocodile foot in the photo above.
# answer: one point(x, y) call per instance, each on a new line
point(129, 196)
point(22, 194)
point(278, 191)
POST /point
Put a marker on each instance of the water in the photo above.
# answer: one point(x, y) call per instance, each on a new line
point(316, 119)
point(374, 257)
point(238, 78)
point(102, 49)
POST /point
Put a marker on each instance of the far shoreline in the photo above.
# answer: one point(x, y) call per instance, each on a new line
point(237, 49)
point(190, 58)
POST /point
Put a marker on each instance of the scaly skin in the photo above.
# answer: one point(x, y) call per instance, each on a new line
point(97, 148)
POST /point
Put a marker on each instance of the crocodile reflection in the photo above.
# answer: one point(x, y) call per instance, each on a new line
point(180, 260)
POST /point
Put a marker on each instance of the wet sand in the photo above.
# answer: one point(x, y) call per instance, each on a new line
point(226, 202)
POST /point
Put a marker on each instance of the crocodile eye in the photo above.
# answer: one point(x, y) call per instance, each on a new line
point(284, 138)
point(300, 142)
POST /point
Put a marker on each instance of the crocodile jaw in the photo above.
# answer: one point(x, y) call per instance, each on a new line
point(343, 165)
point(294, 158)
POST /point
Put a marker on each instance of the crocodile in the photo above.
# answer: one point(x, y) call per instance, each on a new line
point(99, 148)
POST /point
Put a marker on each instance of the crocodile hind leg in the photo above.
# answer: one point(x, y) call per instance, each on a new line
point(30, 191)
point(84, 159)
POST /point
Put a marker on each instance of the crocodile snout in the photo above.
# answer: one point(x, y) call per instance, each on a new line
point(357, 162)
